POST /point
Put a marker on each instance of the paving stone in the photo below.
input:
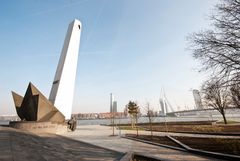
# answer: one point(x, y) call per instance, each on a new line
point(86, 143)
point(100, 136)
point(21, 146)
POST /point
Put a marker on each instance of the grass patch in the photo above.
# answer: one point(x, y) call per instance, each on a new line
point(207, 129)
point(228, 122)
point(220, 145)
point(130, 128)
point(233, 129)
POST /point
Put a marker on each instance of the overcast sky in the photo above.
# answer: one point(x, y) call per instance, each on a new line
point(131, 48)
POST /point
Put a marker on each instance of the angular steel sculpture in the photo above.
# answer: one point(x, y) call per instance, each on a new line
point(62, 91)
point(34, 106)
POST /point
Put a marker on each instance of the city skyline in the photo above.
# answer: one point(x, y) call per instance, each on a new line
point(129, 48)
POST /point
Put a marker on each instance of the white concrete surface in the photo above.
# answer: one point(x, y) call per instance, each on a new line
point(62, 91)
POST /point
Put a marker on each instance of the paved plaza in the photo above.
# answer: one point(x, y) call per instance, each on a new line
point(89, 142)
point(100, 136)
point(16, 145)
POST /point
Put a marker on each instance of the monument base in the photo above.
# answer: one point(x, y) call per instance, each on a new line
point(39, 127)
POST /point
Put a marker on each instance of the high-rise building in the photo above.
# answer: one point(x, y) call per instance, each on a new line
point(197, 99)
point(114, 106)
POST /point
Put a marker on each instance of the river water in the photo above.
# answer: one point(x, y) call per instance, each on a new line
point(233, 115)
point(128, 120)
point(143, 120)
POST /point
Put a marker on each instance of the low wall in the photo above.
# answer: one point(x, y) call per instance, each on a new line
point(39, 127)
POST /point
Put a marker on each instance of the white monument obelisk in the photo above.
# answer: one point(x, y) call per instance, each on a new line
point(62, 91)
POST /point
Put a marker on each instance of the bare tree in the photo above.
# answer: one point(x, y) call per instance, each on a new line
point(113, 122)
point(150, 116)
point(216, 96)
point(125, 112)
point(219, 49)
point(235, 94)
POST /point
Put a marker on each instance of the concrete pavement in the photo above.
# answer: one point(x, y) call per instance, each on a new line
point(90, 142)
point(100, 136)
point(16, 145)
